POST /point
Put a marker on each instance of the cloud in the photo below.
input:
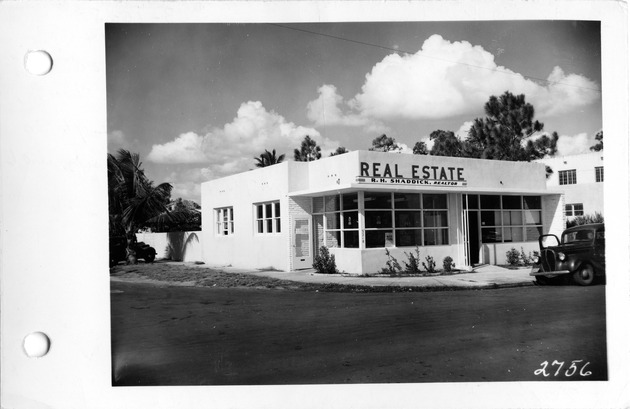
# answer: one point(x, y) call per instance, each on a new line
point(445, 79)
point(462, 132)
point(231, 149)
point(186, 148)
point(573, 145)
point(325, 111)
point(116, 140)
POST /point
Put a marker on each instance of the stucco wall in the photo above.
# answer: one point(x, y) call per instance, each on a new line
point(246, 248)
point(586, 191)
point(177, 246)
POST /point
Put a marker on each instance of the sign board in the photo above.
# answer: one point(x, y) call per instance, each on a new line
point(413, 175)
point(412, 182)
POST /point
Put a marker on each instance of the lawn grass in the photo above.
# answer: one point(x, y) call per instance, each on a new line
point(199, 276)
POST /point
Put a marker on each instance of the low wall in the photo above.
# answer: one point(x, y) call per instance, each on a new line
point(176, 246)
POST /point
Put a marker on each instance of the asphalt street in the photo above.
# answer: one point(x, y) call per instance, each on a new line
point(167, 335)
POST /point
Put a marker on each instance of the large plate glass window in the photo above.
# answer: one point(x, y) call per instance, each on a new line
point(510, 218)
point(268, 217)
point(339, 218)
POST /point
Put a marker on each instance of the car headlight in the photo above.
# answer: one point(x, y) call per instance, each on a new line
point(561, 256)
point(536, 259)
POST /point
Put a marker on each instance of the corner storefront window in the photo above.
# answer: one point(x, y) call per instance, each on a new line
point(390, 219)
point(506, 219)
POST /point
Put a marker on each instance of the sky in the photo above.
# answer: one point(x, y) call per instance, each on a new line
point(200, 101)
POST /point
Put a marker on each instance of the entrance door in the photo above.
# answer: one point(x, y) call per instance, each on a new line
point(302, 248)
point(473, 236)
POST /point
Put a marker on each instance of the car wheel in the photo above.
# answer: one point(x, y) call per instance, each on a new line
point(149, 257)
point(585, 275)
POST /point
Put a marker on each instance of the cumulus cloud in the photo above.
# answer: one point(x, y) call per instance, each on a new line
point(462, 132)
point(231, 149)
point(445, 79)
point(325, 111)
point(116, 140)
point(573, 145)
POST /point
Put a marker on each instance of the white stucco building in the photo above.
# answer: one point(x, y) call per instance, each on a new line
point(581, 179)
point(360, 203)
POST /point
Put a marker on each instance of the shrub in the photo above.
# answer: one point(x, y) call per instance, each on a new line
point(586, 219)
point(512, 256)
point(448, 264)
point(413, 266)
point(324, 262)
point(392, 267)
point(429, 266)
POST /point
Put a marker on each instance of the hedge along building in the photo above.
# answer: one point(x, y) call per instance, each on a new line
point(361, 203)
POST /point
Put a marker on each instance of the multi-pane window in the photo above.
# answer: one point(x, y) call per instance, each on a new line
point(268, 217)
point(599, 174)
point(225, 221)
point(390, 219)
point(340, 216)
point(405, 219)
point(567, 177)
point(574, 209)
point(507, 219)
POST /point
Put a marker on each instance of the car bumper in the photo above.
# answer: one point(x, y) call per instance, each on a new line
point(537, 272)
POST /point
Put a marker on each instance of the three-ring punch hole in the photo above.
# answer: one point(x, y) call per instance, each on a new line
point(36, 344)
point(38, 62)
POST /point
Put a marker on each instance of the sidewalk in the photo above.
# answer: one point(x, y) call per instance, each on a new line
point(486, 276)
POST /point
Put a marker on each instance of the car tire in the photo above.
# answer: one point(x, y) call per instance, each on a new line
point(584, 275)
point(149, 257)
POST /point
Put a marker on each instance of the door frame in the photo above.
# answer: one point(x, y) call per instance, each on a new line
point(303, 261)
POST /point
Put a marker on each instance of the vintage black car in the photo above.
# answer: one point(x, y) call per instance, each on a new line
point(118, 251)
point(580, 256)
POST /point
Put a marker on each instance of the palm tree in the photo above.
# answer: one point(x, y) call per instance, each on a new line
point(133, 199)
point(268, 158)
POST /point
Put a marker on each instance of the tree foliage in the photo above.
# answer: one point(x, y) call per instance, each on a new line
point(133, 199)
point(339, 151)
point(599, 145)
point(309, 151)
point(268, 158)
point(445, 143)
point(503, 134)
point(188, 217)
point(385, 143)
point(420, 148)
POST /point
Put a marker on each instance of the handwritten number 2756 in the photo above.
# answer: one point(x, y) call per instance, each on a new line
point(570, 371)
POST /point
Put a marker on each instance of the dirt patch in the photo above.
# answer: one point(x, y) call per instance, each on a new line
point(161, 273)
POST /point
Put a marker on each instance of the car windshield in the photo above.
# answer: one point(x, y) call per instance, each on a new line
point(577, 236)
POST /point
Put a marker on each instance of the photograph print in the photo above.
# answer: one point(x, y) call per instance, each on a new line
point(356, 202)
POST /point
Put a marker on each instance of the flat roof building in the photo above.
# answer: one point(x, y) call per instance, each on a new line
point(581, 179)
point(360, 203)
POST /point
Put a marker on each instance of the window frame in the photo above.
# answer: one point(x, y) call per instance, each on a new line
point(224, 227)
point(503, 212)
point(599, 174)
point(339, 212)
point(574, 212)
point(262, 220)
point(567, 177)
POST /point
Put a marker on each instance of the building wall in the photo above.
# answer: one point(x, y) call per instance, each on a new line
point(294, 184)
point(245, 248)
point(177, 246)
point(586, 191)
